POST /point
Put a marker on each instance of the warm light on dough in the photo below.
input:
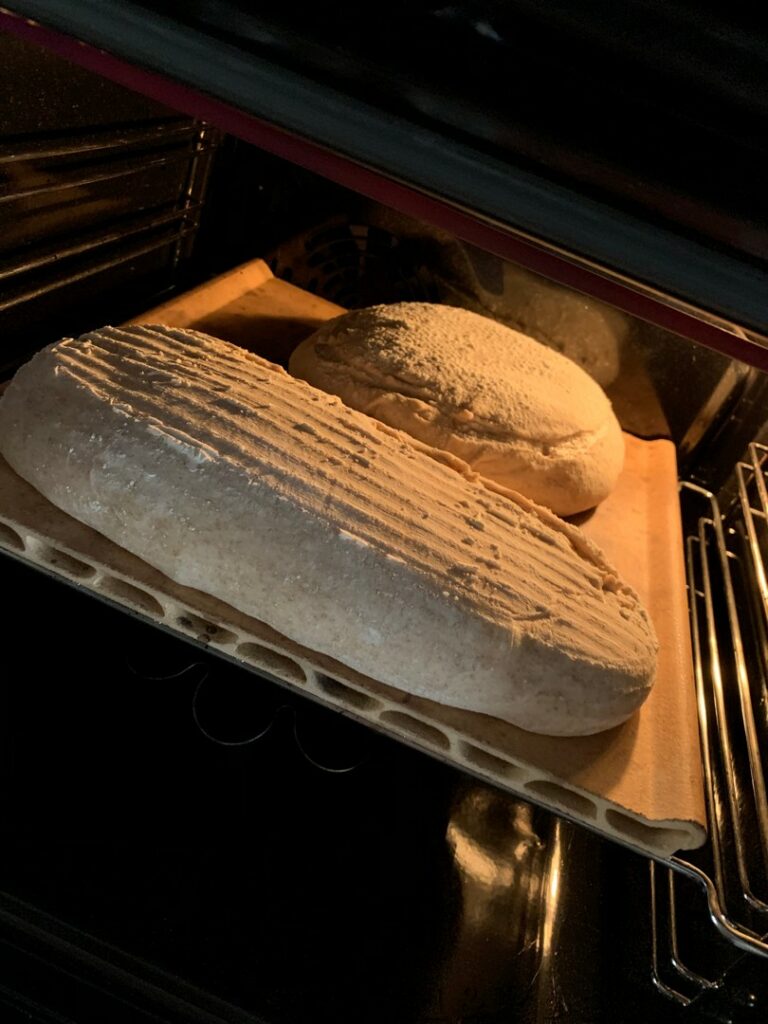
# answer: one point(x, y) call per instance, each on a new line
point(516, 411)
point(232, 477)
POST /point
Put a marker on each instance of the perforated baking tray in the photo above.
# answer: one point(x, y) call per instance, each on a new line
point(640, 783)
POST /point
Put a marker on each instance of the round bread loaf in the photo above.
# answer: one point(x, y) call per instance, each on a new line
point(515, 411)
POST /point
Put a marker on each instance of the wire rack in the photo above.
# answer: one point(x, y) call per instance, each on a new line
point(727, 558)
point(90, 213)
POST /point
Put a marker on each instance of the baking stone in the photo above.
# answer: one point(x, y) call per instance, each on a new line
point(640, 783)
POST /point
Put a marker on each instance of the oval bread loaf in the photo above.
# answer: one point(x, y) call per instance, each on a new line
point(232, 477)
point(513, 409)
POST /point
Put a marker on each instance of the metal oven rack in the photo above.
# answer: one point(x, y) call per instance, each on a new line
point(93, 216)
point(727, 559)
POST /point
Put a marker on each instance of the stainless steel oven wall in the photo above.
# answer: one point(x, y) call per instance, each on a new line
point(100, 198)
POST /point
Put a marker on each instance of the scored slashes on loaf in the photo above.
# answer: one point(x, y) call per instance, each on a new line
point(513, 409)
point(232, 477)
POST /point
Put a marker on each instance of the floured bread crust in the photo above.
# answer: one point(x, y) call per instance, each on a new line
point(230, 476)
point(514, 410)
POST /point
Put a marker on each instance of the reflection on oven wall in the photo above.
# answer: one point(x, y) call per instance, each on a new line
point(660, 385)
point(109, 202)
point(357, 253)
point(100, 199)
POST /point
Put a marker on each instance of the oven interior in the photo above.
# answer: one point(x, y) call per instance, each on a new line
point(181, 845)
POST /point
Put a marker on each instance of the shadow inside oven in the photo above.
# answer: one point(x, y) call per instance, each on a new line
point(184, 840)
